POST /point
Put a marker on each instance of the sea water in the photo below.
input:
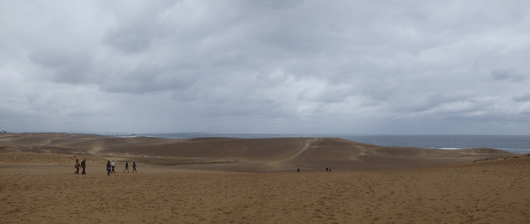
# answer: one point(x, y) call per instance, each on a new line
point(511, 143)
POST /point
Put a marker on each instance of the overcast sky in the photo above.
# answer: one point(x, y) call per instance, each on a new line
point(326, 67)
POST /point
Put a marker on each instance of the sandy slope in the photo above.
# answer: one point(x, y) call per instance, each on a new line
point(485, 192)
point(375, 184)
point(248, 155)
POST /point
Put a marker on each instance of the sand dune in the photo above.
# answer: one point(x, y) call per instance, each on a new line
point(310, 154)
point(250, 155)
point(375, 184)
point(487, 192)
point(47, 158)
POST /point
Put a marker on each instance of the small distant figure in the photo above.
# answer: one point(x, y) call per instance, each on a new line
point(298, 170)
point(126, 167)
point(83, 165)
point(134, 167)
point(77, 165)
point(112, 165)
point(504, 157)
point(329, 169)
point(326, 169)
point(108, 167)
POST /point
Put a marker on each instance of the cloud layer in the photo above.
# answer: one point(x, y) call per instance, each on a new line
point(349, 67)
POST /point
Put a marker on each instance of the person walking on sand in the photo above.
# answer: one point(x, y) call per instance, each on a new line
point(326, 169)
point(126, 167)
point(112, 164)
point(83, 165)
point(134, 167)
point(77, 165)
point(298, 170)
point(108, 167)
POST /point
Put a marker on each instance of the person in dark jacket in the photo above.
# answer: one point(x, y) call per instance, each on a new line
point(83, 163)
point(108, 167)
point(126, 167)
point(134, 167)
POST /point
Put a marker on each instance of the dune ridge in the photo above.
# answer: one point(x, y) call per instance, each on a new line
point(231, 154)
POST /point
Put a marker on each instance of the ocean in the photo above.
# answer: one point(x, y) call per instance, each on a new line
point(511, 143)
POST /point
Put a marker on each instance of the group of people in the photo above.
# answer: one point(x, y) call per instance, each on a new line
point(82, 165)
point(110, 167)
point(328, 169)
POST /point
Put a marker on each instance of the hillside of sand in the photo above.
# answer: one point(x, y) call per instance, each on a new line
point(231, 154)
point(486, 192)
point(402, 185)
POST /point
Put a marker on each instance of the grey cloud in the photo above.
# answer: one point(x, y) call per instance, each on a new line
point(248, 109)
point(274, 4)
point(506, 74)
point(522, 98)
point(146, 81)
point(501, 74)
point(66, 66)
point(281, 65)
point(130, 40)
point(137, 28)
point(333, 96)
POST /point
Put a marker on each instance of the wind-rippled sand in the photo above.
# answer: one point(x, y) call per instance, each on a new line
point(486, 192)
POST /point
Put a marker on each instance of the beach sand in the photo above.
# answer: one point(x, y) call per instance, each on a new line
point(465, 189)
